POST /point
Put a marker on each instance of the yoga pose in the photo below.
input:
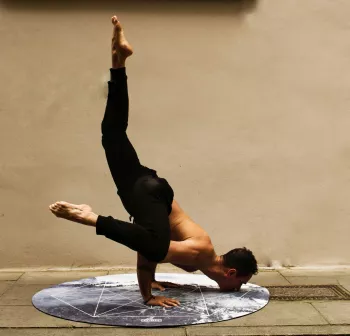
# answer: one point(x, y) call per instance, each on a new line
point(161, 231)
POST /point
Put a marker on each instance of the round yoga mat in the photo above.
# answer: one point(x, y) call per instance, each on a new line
point(116, 300)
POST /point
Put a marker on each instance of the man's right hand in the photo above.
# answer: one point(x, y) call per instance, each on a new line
point(163, 301)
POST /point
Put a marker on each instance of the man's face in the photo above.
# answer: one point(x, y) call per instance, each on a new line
point(231, 282)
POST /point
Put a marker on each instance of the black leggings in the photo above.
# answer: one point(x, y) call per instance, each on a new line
point(144, 195)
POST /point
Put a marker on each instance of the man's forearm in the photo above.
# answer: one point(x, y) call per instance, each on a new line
point(145, 275)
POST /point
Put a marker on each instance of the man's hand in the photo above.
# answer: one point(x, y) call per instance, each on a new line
point(163, 301)
point(161, 285)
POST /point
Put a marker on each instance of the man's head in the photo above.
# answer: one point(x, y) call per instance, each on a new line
point(239, 265)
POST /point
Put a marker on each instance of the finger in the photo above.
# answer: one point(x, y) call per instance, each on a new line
point(164, 305)
point(172, 303)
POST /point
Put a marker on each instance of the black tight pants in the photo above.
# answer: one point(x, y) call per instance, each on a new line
point(144, 195)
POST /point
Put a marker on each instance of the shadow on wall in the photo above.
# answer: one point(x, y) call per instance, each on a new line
point(237, 7)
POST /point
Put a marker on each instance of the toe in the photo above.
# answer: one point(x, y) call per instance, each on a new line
point(62, 204)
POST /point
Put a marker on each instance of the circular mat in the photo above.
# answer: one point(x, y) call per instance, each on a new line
point(116, 300)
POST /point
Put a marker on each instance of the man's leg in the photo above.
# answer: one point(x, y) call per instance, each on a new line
point(152, 197)
point(121, 156)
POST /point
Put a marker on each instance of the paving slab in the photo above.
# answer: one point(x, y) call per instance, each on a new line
point(270, 330)
point(335, 312)
point(315, 272)
point(279, 313)
point(5, 285)
point(345, 283)
point(13, 276)
point(269, 279)
point(121, 271)
point(94, 332)
point(20, 295)
point(56, 277)
point(30, 317)
point(312, 280)
point(160, 269)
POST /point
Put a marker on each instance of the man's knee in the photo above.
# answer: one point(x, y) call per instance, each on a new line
point(157, 247)
point(157, 253)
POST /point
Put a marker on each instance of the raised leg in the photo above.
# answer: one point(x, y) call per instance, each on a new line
point(121, 155)
point(151, 199)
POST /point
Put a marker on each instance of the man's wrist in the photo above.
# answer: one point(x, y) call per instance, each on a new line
point(149, 299)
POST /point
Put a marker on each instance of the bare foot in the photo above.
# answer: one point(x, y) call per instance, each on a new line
point(76, 213)
point(121, 48)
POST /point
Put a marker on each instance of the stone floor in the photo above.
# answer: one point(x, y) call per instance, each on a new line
point(19, 317)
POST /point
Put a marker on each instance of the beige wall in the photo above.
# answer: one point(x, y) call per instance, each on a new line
point(244, 112)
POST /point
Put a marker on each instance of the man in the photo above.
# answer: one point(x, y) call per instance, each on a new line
point(161, 232)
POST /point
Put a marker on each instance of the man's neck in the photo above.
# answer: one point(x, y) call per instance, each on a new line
point(215, 270)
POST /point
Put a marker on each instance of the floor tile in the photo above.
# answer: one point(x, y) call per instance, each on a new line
point(315, 272)
point(280, 313)
point(345, 283)
point(319, 280)
point(121, 271)
point(53, 278)
point(269, 279)
point(270, 330)
point(10, 275)
point(335, 312)
point(93, 332)
point(51, 332)
point(160, 269)
point(20, 295)
point(30, 317)
point(5, 286)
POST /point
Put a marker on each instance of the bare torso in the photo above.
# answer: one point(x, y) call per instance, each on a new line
point(185, 233)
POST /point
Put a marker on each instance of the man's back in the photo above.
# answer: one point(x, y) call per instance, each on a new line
point(190, 247)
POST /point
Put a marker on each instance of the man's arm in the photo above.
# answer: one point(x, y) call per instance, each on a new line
point(145, 275)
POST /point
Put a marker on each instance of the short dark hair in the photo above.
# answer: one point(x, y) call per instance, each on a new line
point(242, 260)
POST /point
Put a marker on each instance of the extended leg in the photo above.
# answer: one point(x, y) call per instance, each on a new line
point(121, 156)
point(151, 240)
point(151, 197)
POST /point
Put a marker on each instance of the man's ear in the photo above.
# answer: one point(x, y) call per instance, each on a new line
point(231, 272)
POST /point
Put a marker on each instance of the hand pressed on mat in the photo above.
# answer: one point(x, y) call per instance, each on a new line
point(163, 301)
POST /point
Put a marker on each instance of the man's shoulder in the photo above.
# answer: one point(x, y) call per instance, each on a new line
point(202, 242)
point(188, 251)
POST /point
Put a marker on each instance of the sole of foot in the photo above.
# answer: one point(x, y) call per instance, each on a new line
point(73, 212)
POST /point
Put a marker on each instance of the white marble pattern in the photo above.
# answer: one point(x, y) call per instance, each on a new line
point(116, 300)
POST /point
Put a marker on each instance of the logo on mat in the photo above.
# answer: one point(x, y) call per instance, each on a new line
point(151, 319)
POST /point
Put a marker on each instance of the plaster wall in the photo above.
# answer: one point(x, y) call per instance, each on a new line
point(242, 106)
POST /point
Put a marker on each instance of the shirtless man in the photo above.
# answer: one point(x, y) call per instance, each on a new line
point(161, 231)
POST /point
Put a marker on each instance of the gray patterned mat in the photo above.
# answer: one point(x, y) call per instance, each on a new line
point(116, 300)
